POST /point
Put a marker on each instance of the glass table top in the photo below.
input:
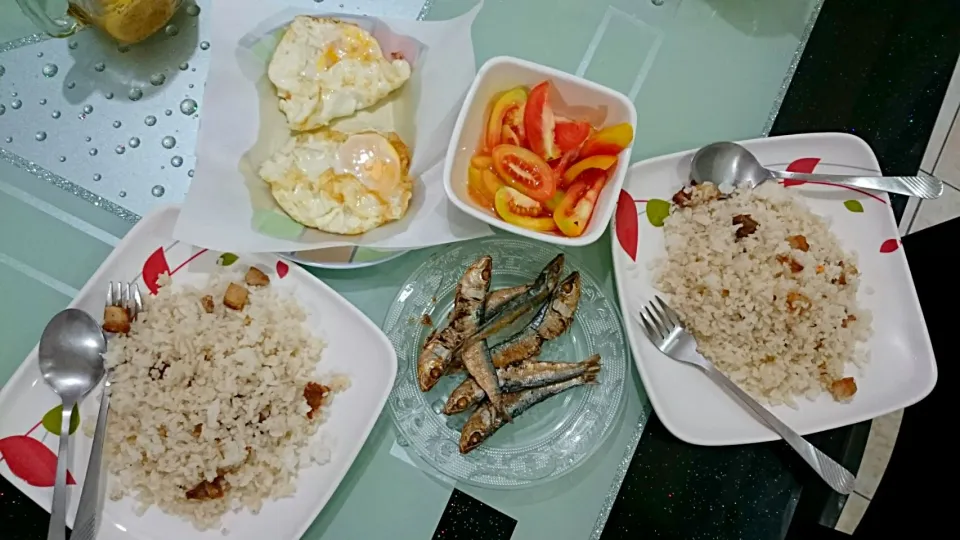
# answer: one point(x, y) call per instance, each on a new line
point(697, 70)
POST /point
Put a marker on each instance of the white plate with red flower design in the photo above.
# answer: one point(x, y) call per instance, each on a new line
point(355, 347)
point(901, 370)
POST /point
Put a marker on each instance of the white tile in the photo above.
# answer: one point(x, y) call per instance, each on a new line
point(909, 213)
point(948, 166)
point(948, 113)
point(876, 454)
point(932, 212)
point(852, 513)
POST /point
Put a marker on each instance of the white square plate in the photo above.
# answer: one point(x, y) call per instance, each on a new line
point(505, 72)
point(902, 369)
point(355, 347)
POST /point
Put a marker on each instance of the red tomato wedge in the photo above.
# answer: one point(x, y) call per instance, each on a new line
point(569, 135)
point(602, 162)
point(609, 141)
point(502, 107)
point(538, 122)
point(518, 209)
point(524, 171)
point(573, 213)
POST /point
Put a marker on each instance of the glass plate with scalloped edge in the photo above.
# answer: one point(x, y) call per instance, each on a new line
point(552, 438)
point(355, 347)
point(901, 369)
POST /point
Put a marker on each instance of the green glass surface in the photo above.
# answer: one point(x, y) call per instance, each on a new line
point(698, 71)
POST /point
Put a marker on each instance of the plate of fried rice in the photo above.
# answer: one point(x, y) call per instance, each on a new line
point(797, 291)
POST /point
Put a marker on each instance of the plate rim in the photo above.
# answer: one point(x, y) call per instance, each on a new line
point(292, 257)
point(618, 409)
point(765, 434)
point(147, 223)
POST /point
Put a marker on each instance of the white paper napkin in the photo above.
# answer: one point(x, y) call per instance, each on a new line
point(229, 208)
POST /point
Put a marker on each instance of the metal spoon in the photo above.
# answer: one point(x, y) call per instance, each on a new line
point(729, 163)
point(70, 362)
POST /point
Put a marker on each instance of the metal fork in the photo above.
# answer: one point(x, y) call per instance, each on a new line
point(663, 326)
point(127, 296)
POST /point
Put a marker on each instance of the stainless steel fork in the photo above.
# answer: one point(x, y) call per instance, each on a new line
point(126, 296)
point(663, 326)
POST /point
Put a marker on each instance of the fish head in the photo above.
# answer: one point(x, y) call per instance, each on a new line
point(569, 289)
point(430, 367)
point(551, 272)
point(477, 429)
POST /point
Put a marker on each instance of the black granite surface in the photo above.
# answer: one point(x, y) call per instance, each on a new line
point(877, 69)
point(466, 518)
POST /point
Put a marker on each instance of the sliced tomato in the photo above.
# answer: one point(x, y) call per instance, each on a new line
point(538, 122)
point(573, 214)
point(491, 183)
point(518, 209)
point(509, 100)
point(481, 162)
point(569, 135)
point(609, 141)
point(602, 162)
point(525, 171)
point(509, 136)
point(514, 120)
point(561, 165)
point(553, 203)
point(477, 190)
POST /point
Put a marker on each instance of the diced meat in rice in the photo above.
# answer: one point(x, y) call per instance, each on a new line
point(225, 390)
point(773, 306)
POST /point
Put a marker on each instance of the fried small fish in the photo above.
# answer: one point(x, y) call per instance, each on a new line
point(526, 374)
point(516, 307)
point(496, 299)
point(464, 321)
point(493, 302)
point(485, 421)
point(553, 319)
point(476, 358)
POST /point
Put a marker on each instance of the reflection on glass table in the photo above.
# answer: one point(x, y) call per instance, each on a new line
point(697, 71)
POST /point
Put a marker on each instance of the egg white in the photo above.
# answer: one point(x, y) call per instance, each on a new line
point(325, 69)
point(341, 183)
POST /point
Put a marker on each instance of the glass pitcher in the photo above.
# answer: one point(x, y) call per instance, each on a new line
point(128, 21)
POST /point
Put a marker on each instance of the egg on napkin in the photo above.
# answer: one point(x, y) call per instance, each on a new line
point(341, 183)
point(325, 69)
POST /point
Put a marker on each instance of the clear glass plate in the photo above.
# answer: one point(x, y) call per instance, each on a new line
point(549, 440)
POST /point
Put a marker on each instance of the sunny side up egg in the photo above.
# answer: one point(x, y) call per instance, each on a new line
point(341, 183)
point(325, 69)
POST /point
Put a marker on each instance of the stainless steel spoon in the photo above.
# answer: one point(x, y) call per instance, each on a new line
point(729, 163)
point(70, 362)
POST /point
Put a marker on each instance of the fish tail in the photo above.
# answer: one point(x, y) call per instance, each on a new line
point(590, 377)
point(592, 364)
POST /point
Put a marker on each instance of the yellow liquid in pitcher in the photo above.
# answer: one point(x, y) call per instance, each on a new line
point(129, 21)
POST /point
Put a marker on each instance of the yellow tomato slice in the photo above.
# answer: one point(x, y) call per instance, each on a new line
point(481, 162)
point(608, 141)
point(507, 101)
point(518, 209)
point(593, 162)
point(477, 190)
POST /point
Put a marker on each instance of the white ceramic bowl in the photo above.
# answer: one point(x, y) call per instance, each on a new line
point(502, 73)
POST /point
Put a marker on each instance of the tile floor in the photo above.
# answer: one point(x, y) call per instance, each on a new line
point(941, 159)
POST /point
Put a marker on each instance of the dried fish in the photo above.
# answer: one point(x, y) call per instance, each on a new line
point(526, 374)
point(464, 321)
point(485, 421)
